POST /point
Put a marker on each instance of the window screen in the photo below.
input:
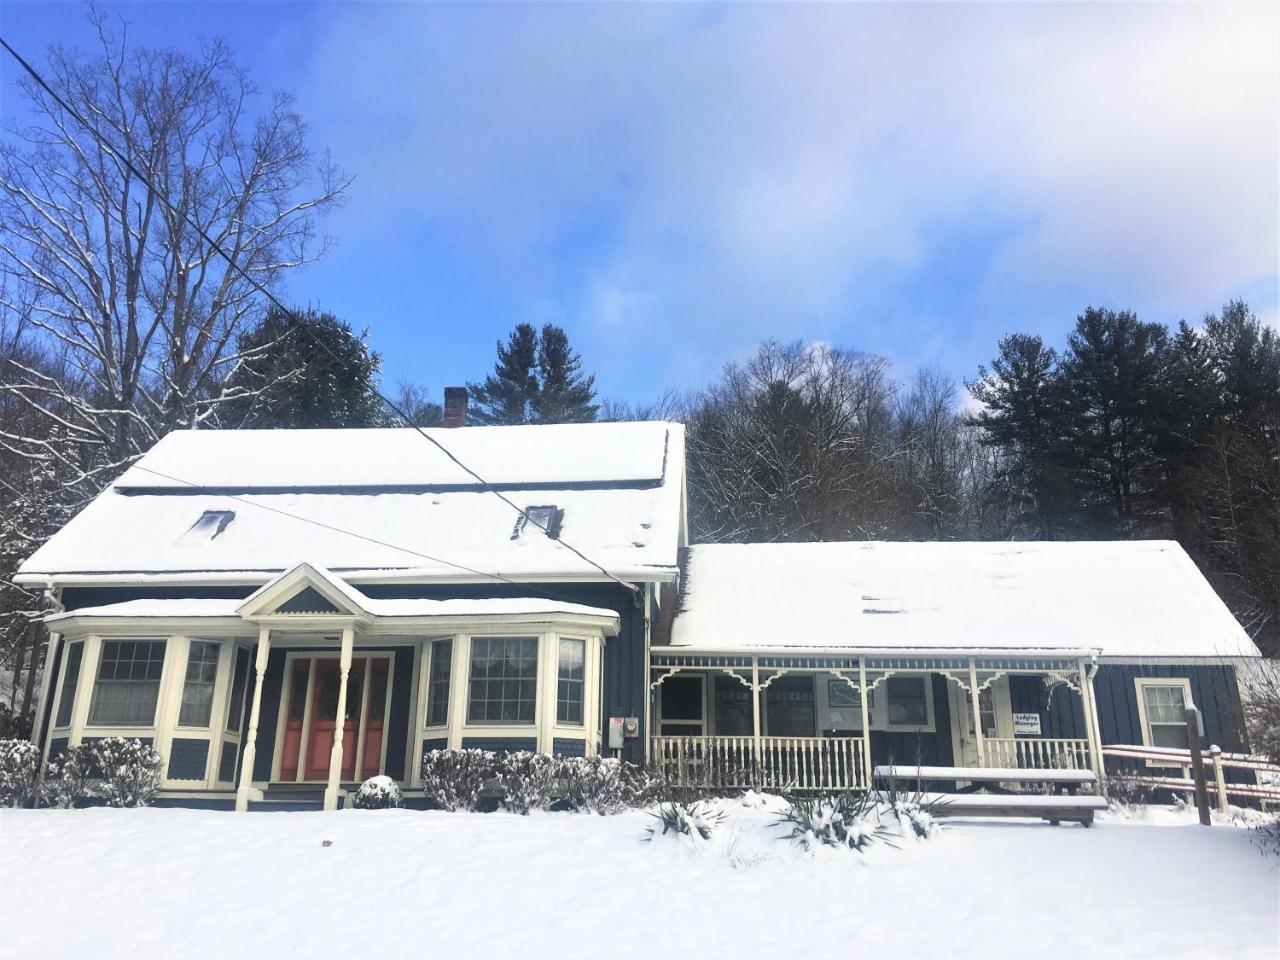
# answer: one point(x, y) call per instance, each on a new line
point(1166, 715)
point(197, 688)
point(70, 680)
point(440, 671)
point(504, 679)
point(128, 683)
point(570, 681)
point(907, 701)
point(239, 683)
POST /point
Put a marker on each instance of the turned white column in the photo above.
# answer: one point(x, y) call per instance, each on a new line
point(866, 724)
point(755, 711)
point(251, 735)
point(975, 698)
point(1090, 704)
point(339, 722)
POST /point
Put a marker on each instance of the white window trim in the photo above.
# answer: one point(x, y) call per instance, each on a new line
point(1140, 687)
point(586, 665)
point(62, 685)
point(427, 659)
point(541, 668)
point(163, 693)
point(880, 709)
point(182, 688)
point(697, 728)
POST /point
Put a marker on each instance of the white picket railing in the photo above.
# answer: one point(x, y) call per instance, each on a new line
point(1036, 753)
point(798, 763)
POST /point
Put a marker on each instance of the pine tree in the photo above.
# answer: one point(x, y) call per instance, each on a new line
point(1022, 402)
point(1111, 375)
point(304, 369)
point(564, 395)
point(508, 395)
point(537, 379)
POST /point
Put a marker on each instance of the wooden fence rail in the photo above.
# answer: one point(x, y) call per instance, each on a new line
point(1215, 760)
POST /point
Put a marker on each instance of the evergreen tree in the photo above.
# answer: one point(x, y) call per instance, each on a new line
point(564, 395)
point(304, 369)
point(1111, 377)
point(1022, 415)
point(508, 395)
point(538, 379)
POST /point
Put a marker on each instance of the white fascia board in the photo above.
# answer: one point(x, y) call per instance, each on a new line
point(1026, 652)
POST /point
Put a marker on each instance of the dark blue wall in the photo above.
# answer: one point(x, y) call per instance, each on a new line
point(1061, 710)
point(929, 749)
point(1213, 688)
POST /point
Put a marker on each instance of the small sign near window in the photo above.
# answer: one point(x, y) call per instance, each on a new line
point(840, 694)
point(1026, 724)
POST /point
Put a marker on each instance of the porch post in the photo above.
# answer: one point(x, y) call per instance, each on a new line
point(976, 706)
point(755, 709)
point(251, 735)
point(866, 723)
point(339, 722)
point(1091, 722)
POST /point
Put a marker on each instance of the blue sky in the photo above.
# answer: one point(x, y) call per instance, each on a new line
point(673, 183)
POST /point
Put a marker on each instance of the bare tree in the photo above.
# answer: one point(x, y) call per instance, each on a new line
point(142, 309)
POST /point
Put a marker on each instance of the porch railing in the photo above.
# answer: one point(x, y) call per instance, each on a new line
point(797, 763)
point(1035, 753)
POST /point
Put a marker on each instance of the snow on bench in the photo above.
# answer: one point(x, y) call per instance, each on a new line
point(1055, 809)
point(992, 774)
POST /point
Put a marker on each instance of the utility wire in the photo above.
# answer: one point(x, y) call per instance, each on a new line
point(391, 405)
point(359, 536)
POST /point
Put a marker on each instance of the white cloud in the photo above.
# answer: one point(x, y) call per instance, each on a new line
point(730, 170)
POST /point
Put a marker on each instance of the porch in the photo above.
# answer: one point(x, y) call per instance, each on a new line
point(813, 722)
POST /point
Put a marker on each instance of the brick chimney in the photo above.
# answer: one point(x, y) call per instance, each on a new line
point(455, 406)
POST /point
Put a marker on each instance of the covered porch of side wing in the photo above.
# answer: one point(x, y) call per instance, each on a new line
point(822, 721)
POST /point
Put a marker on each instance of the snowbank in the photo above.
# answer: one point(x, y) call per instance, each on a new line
point(176, 883)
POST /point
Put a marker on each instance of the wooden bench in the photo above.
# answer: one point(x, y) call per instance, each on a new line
point(1054, 808)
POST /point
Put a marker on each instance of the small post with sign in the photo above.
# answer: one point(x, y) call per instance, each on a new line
point(1197, 764)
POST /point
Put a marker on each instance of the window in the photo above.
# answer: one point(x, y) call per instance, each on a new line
point(197, 689)
point(548, 518)
point(1162, 706)
point(680, 707)
point(438, 675)
point(789, 707)
point(908, 702)
point(570, 681)
point(70, 680)
point(504, 680)
point(733, 708)
point(239, 681)
point(128, 683)
point(210, 524)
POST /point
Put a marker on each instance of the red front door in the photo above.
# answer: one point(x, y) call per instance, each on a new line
point(311, 718)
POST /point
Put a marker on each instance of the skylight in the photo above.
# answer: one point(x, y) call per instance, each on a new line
point(210, 524)
point(547, 517)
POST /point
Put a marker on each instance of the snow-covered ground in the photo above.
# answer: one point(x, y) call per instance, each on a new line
point(178, 883)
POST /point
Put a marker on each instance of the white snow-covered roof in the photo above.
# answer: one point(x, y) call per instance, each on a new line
point(1128, 599)
point(178, 608)
point(382, 504)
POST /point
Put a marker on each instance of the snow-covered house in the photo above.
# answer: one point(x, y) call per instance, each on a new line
point(285, 613)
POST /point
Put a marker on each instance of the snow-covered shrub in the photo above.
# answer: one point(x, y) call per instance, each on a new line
point(916, 817)
point(19, 769)
point(1268, 836)
point(1125, 789)
point(67, 778)
point(527, 780)
point(455, 779)
point(1261, 707)
point(695, 821)
point(594, 784)
point(836, 820)
point(130, 771)
point(378, 793)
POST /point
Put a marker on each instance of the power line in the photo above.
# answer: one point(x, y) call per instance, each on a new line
point(299, 324)
point(351, 533)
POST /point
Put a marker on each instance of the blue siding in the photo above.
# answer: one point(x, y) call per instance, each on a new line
point(400, 721)
point(58, 747)
point(500, 744)
point(188, 758)
point(228, 762)
point(1061, 711)
point(434, 743)
point(569, 747)
point(931, 749)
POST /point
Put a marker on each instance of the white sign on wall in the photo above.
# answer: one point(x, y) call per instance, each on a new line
point(1026, 724)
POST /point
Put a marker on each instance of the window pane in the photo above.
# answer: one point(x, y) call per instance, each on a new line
point(128, 683)
point(70, 681)
point(907, 704)
point(239, 682)
point(681, 698)
point(1169, 735)
point(570, 681)
point(733, 708)
point(438, 682)
point(1165, 704)
point(197, 690)
point(789, 707)
point(504, 673)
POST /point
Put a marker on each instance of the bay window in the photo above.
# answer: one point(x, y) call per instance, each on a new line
point(70, 681)
point(128, 683)
point(197, 687)
point(439, 673)
point(503, 680)
point(570, 681)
